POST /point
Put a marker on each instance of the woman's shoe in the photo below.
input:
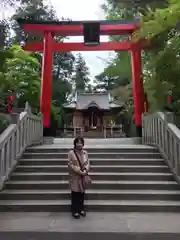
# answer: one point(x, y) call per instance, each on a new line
point(83, 213)
point(76, 215)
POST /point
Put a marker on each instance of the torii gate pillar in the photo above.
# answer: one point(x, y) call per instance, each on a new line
point(46, 79)
point(138, 90)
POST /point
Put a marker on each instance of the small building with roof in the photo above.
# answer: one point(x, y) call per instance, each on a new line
point(93, 111)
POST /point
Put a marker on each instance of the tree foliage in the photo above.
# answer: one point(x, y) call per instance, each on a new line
point(167, 19)
point(63, 63)
point(20, 72)
point(117, 73)
point(34, 10)
point(81, 77)
point(163, 69)
point(21, 77)
point(159, 24)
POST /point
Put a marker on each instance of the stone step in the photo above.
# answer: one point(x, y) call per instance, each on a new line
point(103, 185)
point(102, 141)
point(94, 162)
point(92, 205)
point(126, 178)
point(91, 195)
point(96, 168)
point(92, 231)
point(115, 176)
point(120, 149)
point(93, 134)
point(115, 155)
point(94, 228)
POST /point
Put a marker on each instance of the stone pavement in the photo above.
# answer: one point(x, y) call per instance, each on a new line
point(95, 143)
point(98, 141)
point(128, 226)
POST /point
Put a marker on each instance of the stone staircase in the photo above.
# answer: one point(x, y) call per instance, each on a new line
point(93, 133)
point(130, 178)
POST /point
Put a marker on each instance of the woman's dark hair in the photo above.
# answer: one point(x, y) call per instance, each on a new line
point(76, 140)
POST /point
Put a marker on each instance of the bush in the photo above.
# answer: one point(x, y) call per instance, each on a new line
point(4, 122)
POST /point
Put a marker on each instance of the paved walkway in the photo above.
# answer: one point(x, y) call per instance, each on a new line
point(88, 236)
point(95, 143)
point(94, 222)
point(100, 141)
point(102, 146)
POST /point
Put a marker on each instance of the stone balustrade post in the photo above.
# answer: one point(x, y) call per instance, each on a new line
point(169, 117)
point(14, 118)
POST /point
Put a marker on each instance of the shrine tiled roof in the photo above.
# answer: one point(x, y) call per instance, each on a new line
point(100, 100)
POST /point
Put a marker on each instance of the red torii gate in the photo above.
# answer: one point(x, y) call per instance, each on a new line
point(49, 45)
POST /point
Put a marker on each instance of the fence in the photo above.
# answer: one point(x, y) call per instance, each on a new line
point(26, 129)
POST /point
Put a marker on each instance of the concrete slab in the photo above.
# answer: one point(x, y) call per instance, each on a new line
point(87, 236)
point(92, 142)
point(100, 141)
point(70, 146)
point(154, 223)
point(94, 222)
point(90, 145)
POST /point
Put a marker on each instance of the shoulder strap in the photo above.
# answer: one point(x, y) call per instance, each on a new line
point(78, 160)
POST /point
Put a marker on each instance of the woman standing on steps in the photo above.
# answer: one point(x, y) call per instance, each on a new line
point(79, 166)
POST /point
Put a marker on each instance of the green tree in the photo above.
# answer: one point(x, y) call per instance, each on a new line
point(21, 76)
point(81, 77)
point(62, 77)
point(167, 19)
point(21, 73)
point(62, 62)
point(163, 67)
point(116, 74)
point(104, 82)
point(5, 54)
point(129, 9)
point(33, 10)
point(163, 38)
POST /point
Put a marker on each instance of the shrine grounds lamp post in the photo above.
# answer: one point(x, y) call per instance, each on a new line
point(91, 30)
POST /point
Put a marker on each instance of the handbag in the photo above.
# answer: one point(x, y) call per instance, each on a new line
point(85, 180)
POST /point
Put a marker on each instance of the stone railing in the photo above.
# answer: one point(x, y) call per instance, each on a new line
point(113, 131)
point(159, 131)
point(25, 130)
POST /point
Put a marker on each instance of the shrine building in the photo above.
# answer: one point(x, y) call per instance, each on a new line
point(93, 111)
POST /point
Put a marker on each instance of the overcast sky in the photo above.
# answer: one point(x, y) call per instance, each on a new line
point(84, 10)
point(80, 10)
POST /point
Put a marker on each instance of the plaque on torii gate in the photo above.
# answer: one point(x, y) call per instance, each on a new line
point(91, 30)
